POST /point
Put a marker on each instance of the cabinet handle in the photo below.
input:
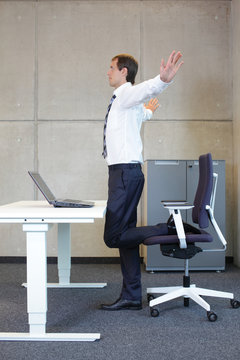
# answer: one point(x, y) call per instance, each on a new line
point(166, 162)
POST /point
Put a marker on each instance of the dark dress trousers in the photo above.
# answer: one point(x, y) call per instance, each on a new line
point(125, 187)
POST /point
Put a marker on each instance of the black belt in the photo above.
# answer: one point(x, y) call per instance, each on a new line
point(124, 166)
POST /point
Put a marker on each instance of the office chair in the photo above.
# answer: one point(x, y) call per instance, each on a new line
point(180, 242)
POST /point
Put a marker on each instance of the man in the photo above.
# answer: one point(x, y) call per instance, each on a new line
point(123, 153)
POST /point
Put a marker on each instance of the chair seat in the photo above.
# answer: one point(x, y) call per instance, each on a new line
point(201, 236)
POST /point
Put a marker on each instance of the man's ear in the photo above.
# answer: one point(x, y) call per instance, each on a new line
point(125, 71)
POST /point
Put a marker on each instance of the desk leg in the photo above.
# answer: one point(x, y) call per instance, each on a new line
point(64, 262)
point(37, 292)
point(36, 276)
point(64, 253)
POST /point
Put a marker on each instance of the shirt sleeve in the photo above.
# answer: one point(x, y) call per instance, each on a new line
point(138, 94)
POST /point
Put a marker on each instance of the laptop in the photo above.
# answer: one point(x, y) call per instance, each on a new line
point(42, 186)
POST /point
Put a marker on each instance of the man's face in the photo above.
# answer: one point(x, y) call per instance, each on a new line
point(116, 77)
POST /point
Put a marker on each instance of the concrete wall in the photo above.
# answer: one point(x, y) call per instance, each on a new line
point(236, 126)
point(54, 56)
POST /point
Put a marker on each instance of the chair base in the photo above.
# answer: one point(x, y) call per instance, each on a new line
point(191, 292)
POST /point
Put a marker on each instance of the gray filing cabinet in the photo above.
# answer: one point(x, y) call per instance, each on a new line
point(177, 180)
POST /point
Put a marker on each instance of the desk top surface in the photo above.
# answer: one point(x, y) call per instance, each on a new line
point(40, 211)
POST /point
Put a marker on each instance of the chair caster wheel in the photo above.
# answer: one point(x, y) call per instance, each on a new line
point(211, 316)
point(150, 297)
point(154, 312)
point(235, 303)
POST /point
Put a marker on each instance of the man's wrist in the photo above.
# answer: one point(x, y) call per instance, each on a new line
point(165, 82)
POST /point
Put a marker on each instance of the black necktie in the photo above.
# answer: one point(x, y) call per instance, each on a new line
point(104, 153)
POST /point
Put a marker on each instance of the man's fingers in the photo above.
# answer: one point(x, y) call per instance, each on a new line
point(162, 66)
point(171, 57)
point(178, 66)
point(177, 57)
point(174, 57)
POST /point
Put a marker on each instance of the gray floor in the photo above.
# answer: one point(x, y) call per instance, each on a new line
point(178, 333)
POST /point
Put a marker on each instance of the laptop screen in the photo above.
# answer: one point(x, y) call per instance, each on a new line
point(42, 186)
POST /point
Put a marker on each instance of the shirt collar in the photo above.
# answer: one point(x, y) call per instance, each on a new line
point(121, 88)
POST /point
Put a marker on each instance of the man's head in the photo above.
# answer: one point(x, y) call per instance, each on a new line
point(123, 69)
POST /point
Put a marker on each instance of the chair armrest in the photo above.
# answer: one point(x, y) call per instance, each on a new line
point(172, 202)
point(178, 206)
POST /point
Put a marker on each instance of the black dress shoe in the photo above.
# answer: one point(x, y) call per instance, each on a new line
point(122, 304)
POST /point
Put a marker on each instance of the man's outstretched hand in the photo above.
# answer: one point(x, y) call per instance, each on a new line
point(152, 105)
point(168, 71)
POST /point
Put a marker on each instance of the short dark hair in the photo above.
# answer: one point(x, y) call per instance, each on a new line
point(127, 61)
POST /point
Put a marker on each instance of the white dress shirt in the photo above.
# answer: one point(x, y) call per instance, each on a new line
point(123, 140)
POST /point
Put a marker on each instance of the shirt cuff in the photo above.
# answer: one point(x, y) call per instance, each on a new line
point(161, 83)
point(150, 113)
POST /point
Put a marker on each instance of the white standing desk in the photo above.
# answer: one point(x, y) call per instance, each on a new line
point(37, 218)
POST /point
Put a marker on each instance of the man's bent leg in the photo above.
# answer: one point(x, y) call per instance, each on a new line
point(125, 189)
point(136, 236)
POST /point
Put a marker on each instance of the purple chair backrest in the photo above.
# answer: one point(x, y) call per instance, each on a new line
point(204, 190)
